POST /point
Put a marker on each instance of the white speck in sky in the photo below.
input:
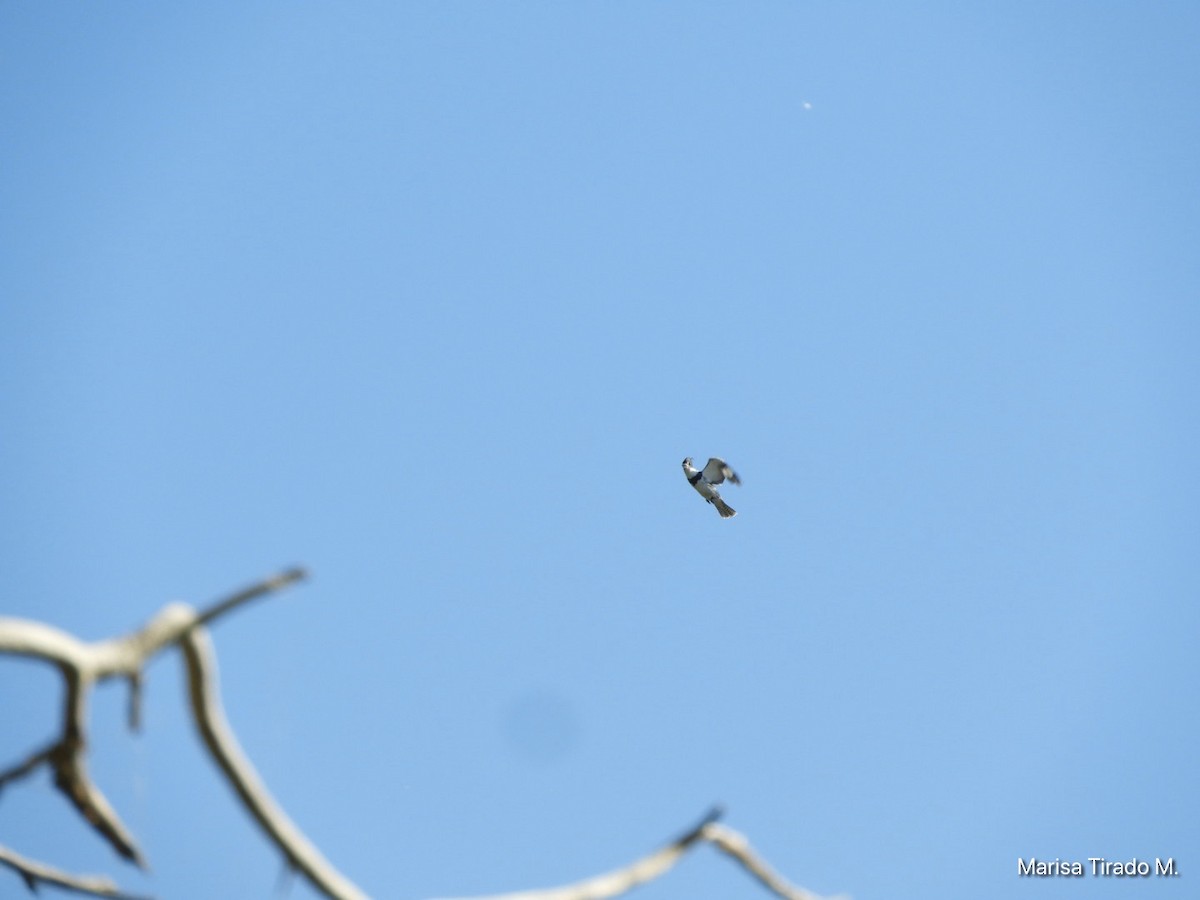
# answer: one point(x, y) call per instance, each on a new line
point(807, 105)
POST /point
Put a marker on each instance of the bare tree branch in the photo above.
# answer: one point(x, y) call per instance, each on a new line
point(621, 881)
point(253, 592)
point(77, 663)
point(34, 874)
point(734, 844)
point(29, 766)
point(214, 730)
point(82, 665)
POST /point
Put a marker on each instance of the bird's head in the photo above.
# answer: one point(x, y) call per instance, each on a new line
point(687, 462)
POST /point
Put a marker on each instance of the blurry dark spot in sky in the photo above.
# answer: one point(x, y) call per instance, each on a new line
point(541, 726)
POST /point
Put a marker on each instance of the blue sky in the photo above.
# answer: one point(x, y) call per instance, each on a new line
point(434, 299)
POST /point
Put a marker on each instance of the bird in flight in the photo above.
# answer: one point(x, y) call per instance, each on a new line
point(714, 472)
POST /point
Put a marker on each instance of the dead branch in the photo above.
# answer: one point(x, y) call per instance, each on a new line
point(34, 874)
point(735, 845)
point(214, 730)
point(621, 881)
point(83, 665)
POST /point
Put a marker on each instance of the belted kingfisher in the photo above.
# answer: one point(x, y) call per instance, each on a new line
point(714, 472)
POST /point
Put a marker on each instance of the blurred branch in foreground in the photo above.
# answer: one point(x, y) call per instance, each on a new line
point(621, 881)
point(83, 665)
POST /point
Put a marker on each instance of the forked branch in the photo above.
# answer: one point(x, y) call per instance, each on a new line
point(621, 881)
point(82, 665)
point(35, 874)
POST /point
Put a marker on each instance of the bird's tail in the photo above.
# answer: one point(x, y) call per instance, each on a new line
point(726, 511)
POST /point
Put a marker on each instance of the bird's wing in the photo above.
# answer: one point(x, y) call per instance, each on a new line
point(717, 470)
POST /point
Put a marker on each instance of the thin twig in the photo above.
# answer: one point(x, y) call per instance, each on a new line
point(28, 766)
point(35, 873)
point(254, 591)
point(135, 702)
